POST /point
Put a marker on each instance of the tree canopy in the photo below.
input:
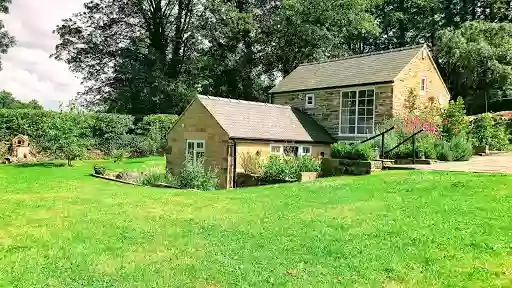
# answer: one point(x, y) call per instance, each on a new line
point(7, 101)
point(150, 56)
point(6, 40)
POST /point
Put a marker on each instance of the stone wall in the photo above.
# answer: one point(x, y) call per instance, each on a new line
point(198, 124)
point(337, 167)
point(327, 106)
point(326, 111)
point(421, 66)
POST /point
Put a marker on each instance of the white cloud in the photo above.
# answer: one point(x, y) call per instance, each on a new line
point(28, 72)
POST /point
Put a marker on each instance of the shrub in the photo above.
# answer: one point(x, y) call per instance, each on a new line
point(288, 168)
point(362, 152)
point(487, 131)
point(461, 147)
point(195, 176)
point(99, 170)
point(454, 119)
point(155, 176)
point(276, 169)
point(443, 151)
point(307, 164)
point(118, 155)
point(251, 163)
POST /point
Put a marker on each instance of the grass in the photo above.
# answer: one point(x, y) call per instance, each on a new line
point(60, 227)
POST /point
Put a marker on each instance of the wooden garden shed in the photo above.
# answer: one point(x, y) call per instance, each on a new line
point(221, 130)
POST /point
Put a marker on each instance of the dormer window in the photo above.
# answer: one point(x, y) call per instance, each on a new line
point(310, 100)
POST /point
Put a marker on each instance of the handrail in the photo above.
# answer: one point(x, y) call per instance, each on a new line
point(413, 136)
point(375, 136)
point(382, 134)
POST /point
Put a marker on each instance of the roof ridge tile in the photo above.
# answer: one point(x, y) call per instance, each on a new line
point(365, 55)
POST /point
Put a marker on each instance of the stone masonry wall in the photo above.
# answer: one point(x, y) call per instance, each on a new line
point(410, 77)
point(327, 105)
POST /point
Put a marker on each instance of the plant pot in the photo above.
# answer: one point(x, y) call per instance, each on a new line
point(481, 149)
point(376, 153)
point(421, 154)
point(308, 176)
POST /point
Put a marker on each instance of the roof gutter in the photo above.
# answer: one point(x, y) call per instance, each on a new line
point(281, 140)
point(331, 87)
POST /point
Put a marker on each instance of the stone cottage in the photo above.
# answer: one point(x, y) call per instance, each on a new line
point(351, 96)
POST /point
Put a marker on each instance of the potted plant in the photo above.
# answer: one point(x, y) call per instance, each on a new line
point(421, 154)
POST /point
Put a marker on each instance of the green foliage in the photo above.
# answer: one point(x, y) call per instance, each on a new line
point(100, 170)
point(444, 153)
point(487, 131)
point(195, 176)
point(101, 131)
point(155, 176)
point(475, 57)
point(68, 136)
point(7, 101)
point(155, 128)
point(459, 148)
point(307, 164)
point(356, 151)
point(288, 168)
point(118, 155)
point(454, 119)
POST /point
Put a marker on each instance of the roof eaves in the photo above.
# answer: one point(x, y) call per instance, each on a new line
point(331, 87)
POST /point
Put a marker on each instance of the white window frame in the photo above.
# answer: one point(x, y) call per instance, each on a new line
point(308, 97)
point(281, 149)
point(301, 153)
point(424, 90)
point(196, 150)
point(357, 89)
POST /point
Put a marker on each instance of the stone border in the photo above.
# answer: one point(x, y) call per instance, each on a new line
point(116, 180)
point(418, 161)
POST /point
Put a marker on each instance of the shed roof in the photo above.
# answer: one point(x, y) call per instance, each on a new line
point(378, 67)
point(262, 121)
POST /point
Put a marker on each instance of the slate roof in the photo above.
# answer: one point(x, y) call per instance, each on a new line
point(355, 70)
point(262, 121)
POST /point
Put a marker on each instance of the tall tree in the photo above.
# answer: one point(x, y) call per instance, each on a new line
point(6, 41)
point(476, 62)
point(115, 43)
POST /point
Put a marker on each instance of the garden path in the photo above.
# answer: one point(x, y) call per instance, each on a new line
point(496, 163)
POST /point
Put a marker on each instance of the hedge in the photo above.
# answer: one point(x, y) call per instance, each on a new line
point(103, 131)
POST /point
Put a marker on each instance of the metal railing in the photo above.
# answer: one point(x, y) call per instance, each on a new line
point(382, 134)
point(413, 137)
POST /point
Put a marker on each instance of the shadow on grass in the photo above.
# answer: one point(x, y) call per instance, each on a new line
point(40, 164)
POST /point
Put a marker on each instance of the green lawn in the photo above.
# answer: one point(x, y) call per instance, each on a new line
point(60, 227)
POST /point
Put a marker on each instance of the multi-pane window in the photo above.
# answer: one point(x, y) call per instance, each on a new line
point(357, 112)
point(305, 151)
point(195, 150)
point(290, 150)
point(276, 149)
point(310, 100)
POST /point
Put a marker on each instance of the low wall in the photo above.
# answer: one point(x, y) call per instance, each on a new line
point(337, 167)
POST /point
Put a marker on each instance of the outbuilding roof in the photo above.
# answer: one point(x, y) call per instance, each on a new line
point(378, 67)
point(262, 121)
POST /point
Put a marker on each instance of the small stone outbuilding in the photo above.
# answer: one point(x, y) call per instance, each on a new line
point(222, 130)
